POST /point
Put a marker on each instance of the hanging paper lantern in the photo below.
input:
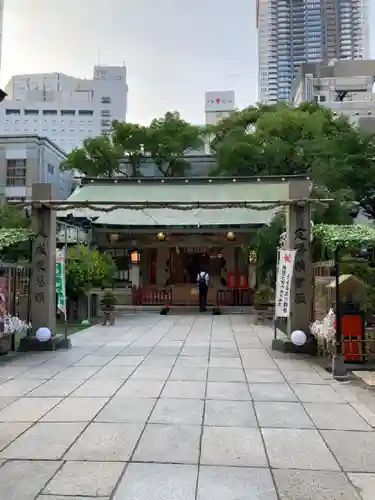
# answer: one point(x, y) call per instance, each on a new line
point(43, 334)
point(298, 337)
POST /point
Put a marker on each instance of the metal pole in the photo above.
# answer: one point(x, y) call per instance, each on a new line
point(338, 349)
point(89, 237)
point(338, 362)
point(29, 274)
point(65, 260)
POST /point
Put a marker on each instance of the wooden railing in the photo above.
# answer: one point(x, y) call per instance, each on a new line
point(235, 297)
point(151, 296)
point(155, 296)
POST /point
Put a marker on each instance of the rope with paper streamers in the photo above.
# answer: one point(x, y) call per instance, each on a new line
point(112, 206)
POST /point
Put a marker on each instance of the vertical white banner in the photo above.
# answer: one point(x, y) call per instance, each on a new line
point(284, 282)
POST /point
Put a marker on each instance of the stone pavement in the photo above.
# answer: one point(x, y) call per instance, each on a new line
point(181, 408)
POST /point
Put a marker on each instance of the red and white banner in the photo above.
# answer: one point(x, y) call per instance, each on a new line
point(284, 282)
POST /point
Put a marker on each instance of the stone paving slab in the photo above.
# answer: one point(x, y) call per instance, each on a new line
point(96, 479)
point(298, 449)
point(27, 409)
point(23, 480)
point(123, 409)
point(158, 482)
point(282, 415)
point(314, 485)
point(59, 497)
point(233, 483)
point(47, 441)
point(233, 446)
point(106, 441)
point(365, 485)
point(9, 431)
point(193, 407)
point(169, 444)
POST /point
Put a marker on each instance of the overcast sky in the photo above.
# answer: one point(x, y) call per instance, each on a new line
point(174, 50)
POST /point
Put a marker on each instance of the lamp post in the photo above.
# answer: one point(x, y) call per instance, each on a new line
point(135, 257)
point(338, 362)
point(135, 260)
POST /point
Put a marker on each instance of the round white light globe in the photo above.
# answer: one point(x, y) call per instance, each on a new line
point(298, 337)
point(43, 334)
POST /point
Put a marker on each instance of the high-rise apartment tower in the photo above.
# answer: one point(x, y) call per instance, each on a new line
point(292, 32)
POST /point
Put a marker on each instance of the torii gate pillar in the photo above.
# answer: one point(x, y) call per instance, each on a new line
point(299, 238)
point(43, 275)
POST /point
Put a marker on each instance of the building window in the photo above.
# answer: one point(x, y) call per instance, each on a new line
point(106, 100)
point(85, 112)
point(31, 112)
point(51, 168)
point(16, 198)
point(68, 112)
point(16, 172)
point(12, 111)
point(106, 123)
point(50, 112)
point(106, 112)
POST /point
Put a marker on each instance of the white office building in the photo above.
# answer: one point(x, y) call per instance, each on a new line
point(27, 159)
point(346, 87)
point(65, 109)
point(218, 104)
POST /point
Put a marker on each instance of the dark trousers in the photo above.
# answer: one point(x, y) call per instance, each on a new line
point(203, 289)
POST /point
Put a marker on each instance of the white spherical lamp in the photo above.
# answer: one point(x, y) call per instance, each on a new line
point(43, 334)
point(298, 338)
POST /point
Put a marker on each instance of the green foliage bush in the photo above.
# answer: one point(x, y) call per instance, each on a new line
point(86, 269)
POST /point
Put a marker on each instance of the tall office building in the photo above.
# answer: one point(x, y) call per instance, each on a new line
point(292, 32)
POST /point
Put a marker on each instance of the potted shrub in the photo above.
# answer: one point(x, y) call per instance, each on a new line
point(164, 310)
point(108, 304)
point(216, 311)
point(263, 297)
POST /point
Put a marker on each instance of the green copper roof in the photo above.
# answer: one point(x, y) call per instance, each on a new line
point(186, 191)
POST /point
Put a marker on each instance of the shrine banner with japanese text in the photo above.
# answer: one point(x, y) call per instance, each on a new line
point(284, 282)
point(60, 282)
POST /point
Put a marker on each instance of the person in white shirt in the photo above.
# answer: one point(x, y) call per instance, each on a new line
point(202, 281)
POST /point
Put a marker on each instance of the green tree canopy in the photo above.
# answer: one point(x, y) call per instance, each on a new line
point(12, 217)
point(86, 269)
point(168, 139)
point(98, 157)
point(16, 233)
point(308, 139)
point(130, 139)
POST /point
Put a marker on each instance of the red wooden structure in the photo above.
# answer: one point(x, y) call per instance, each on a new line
point(160, 296)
